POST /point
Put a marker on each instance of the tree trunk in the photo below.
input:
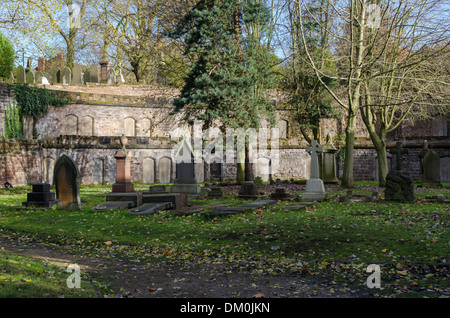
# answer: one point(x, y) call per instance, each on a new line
point(249, 175)
point(383, 168)
point(240, 177)
point(347, 175)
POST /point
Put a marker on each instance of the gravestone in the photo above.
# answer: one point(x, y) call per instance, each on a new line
point(93, 73)
point(328, 162)
point(123, 189)
point(20, 75)
point(165, 170)
point(248, 191)
point(98, 168)
point(66, 178)
point(41, 196)
point(315, 189)
point(148, 170)
point(30, 78)
point(66, 76)
point(399, 183)
point(77, 75)
point(38, 77)
point(431, 170)
point(421, 155)
point(185, 171)
point(56, 76)
point(216, 192)
point(281, 194)
point(111, 76)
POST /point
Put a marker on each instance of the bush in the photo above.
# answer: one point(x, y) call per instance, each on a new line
point(6, 57)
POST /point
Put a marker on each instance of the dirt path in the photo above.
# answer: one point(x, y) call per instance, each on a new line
point(138, 279)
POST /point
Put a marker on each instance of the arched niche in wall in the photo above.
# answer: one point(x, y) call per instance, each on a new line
point(129, 127)
point(71, 124)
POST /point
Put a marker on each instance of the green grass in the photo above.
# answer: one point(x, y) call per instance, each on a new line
point(23, 277)
point(266, 240)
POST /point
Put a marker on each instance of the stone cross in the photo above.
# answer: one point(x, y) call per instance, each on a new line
point(313, 149)
point(398, 151)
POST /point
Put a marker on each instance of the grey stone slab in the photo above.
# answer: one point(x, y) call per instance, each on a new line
point(240, 208)
point(151, 208)
point(115, 205)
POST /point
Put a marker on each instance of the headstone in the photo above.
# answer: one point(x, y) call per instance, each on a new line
point(281, 194)
point(56, 76)
point(111, 76)
point(30, 77)
point(148, 170)
point(246, 207)
point(216, 192)
point(421, 155)
point(248, 191)
point(431, 170)
point(38, 78)
point(129, 127)
point(399, 183)
point(328, 162)
point(165, 170)
point(315, 189)
point(41, 196)
point(185, 171)
point(123, 189)
point(87, 126)
point(151, 208)
point(93, 73)
point(20, 75)
point(77, 75)
point(178, 200)
point(66, 178)
point(66, 76)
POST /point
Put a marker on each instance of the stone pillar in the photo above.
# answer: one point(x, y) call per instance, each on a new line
point(123, 169)
point(104, 68)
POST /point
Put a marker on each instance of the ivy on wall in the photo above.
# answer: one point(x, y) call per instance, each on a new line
point(34, 101)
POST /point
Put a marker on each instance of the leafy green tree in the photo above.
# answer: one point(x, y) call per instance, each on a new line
point(232, 70)
point(6, 57)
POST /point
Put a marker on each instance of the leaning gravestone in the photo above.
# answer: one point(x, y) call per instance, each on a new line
point(66, 178)
point(77, 75)
point(315, 189)
point(431, 170)
point(20, 75)
point(66, 76)
point(399, 183)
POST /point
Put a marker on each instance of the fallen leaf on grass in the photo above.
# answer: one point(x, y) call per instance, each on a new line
point(259, 295)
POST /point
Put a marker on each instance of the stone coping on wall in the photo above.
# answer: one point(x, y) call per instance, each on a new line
point(113, 142)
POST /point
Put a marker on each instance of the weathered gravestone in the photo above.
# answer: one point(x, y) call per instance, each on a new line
point(216, 192)
point(185, 171)
point(41, 196)
point(111, 76)
point(315, 189)
point(77, 76)
point(399, 183)
point(56, 76)
point(328, 162)
point(431, 170)
point(66, 76)
point(93, 73)
point(281, 194)
point(30, 78)
point(66, 178)
point(20, 75)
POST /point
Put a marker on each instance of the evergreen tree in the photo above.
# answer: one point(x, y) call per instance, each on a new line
point(232, 70)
